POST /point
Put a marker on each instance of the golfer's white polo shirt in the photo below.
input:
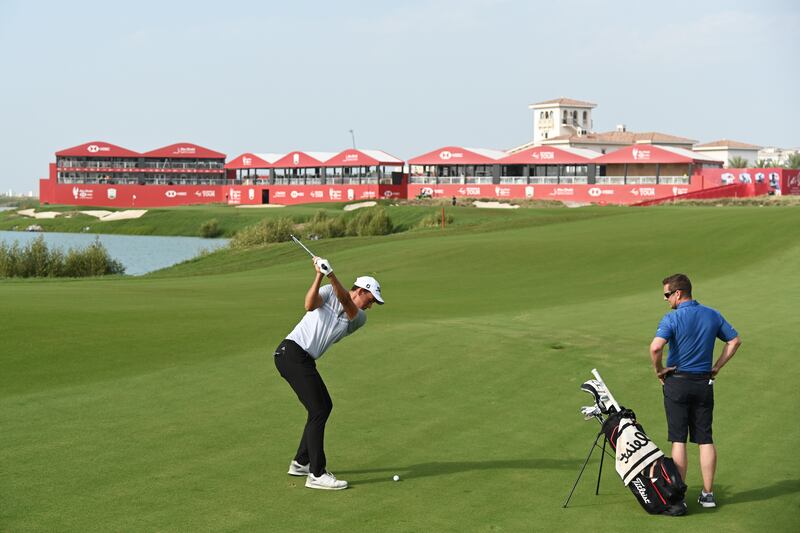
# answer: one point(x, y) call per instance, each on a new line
point(325, 325)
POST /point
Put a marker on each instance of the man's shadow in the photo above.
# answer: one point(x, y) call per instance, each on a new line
point(445, 468)
point(727, 496)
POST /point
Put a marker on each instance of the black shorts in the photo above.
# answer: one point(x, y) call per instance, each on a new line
point(689, 404)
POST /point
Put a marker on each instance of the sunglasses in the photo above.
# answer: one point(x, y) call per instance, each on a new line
point(670, 293)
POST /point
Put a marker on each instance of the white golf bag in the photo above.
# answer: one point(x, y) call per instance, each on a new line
point(653, 478)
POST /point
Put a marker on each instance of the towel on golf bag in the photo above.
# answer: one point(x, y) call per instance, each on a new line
point(652, 478)
point(634, 450)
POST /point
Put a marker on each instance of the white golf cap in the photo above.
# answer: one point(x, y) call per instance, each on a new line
point(372, 285)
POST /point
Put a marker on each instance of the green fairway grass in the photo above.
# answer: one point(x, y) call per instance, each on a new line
point(153, 404)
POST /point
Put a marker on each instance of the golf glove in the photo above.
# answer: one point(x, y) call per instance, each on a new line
point(324, 266)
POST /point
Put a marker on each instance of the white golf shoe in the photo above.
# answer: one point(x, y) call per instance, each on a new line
point(296, 469)
point(326, 481)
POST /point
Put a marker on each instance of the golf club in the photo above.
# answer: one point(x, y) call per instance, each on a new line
point(303, 246)
point(611, 399)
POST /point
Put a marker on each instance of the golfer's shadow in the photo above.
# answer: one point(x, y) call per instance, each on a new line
point(445, 468)
point(727, 496)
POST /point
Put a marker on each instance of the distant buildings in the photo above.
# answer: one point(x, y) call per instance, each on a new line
point(566, 122)
point(776, 156)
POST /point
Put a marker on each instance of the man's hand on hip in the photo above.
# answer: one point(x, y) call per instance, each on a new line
point(664, 372)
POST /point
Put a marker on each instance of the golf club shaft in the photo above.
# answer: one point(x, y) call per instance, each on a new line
point(303, 246)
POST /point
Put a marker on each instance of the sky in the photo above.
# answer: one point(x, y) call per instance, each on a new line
point(406, 76)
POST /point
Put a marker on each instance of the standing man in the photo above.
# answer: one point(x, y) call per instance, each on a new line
point(688, 381)
point(332, 312)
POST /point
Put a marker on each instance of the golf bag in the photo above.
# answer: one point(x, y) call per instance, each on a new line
point(653, 479)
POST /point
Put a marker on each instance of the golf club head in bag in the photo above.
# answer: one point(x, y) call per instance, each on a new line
point(591, 411)
point(601, 396)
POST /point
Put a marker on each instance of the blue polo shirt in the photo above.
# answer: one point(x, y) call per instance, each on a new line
point(691, 331)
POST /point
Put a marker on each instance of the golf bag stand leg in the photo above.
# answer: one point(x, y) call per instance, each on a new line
point(600, 471)
point(588, 457)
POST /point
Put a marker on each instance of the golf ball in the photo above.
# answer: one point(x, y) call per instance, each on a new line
point(396, 477)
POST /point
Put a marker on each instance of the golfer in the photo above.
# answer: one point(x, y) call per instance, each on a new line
point(688, 381)
point(332, 312)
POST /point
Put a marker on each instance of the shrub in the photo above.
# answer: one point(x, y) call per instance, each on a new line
point(324, 226)
point(36, 260)
point(370, 221)
point(266, 231)
point(210, 229)
point(434, 221)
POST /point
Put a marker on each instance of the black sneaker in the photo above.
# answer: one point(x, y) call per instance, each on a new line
point(707, 500)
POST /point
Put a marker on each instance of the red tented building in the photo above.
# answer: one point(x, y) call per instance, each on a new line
point(103, 174)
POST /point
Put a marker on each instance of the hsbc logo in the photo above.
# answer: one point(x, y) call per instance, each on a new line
point(93, 148)
point(595, 191)
point(171, 194)
point(445, 155)
point(296, 194)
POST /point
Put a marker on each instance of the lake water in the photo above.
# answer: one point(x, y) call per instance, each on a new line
point(139, 254)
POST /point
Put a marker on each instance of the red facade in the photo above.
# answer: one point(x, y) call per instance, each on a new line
point(102, 174)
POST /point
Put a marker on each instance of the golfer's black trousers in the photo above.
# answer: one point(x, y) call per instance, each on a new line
point(298, 368)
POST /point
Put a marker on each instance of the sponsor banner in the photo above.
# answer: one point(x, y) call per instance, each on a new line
point(305, 194)
point(129, 196)
point(598, 194)
point(790, 181)
point(714, 177)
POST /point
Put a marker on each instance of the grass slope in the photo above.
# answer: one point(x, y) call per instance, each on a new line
point(153, 403)
point(186, 221)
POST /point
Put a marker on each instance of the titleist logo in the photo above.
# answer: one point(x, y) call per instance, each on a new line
point(633, 446)
point(641, 489)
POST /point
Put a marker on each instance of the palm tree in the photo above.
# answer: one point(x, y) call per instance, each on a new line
point(764, 163)
point(738, 162)
point(793, 161)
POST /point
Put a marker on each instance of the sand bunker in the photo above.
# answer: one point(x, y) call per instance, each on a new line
point(43, 214)
point(98, 213)
point(123, 215)
point(351, 207)
point(494, 205)
point(101, 215)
